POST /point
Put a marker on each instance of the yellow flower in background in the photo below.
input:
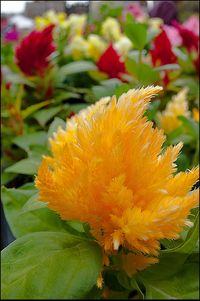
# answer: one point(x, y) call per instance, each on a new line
point(96, 46)
point(111, 29)
point(195, 113)
point(77, 48)
point(76, 24)
point(155, 23)
point(108, 169)
point(50, 17)
point(123, 46)
point(178, 106)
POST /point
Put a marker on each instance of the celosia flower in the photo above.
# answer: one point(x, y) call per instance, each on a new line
point(189, 38)
point(136, 11)
point(192, 24)
point(162, 53)
point(108, 169)
point(11, 35)
point(96, 46)
point(123, 45)
point(111, 63)
point(76, 24)
point(195, 113)
point(77, 48)
point(50, 17)
point(32, 54)
point(173, 35)
point(178, 106)
point(111, 29)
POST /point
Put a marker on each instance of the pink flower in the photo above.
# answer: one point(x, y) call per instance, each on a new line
point(190, 39)
point(12, 35)
point(135, 10)
point(192, 24)
point(173, 35)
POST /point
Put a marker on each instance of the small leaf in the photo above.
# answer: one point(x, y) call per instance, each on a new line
point(33, 108)
point(43, 116)
point(27, 166)
point(49, 265)
point(75, 67)
point(167, 67)
point(25, 141)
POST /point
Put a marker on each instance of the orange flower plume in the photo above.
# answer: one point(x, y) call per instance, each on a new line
point(108, 169)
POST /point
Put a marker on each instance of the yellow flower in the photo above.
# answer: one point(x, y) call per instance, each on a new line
point(111, 29)
point(178, 106)
point(50, 17)
point(123, 45)
point(195, 112)
point(131, 263)
point(96, 46)
point(76, 24)
point(155, 23)
point(108, 169)
point(77, 47)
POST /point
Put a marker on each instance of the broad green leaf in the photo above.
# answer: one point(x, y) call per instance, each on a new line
point(137, 33)
point(25, 214)
point(57, 122)
point(6, 178)
point(27, 166)
point(78, 107)
point(50, 265)
point(183, 285)
point(33, 108)
point(27, 140)
point(43, 116)
point(151, 112)
point(75, 67)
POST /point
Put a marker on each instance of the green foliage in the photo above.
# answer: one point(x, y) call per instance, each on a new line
point(49, 265)
point(136, 32)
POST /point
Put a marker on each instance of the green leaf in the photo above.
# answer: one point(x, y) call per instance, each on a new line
point(122, 89)
point(137, 33)
point(75, 67)
point(167, 67)
point(190, 125)
point(57, 122)
point(43, 116)
point(33, 108)
point(183, 285)
point(25, 141)
point(143, 72)
point(27, 166)
point(25, 214)
point(49, 265)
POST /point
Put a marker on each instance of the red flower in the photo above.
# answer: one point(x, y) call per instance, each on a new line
point(190, 39)
point(33, 51)
point(110, 63)
point(162, 53)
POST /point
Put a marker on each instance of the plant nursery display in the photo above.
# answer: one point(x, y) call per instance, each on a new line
point(100, 148)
